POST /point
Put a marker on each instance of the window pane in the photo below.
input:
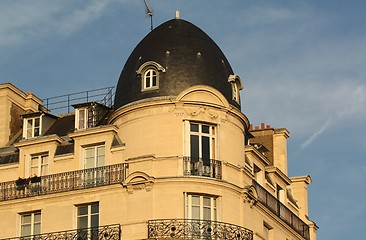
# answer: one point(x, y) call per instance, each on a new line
point(36, 122)
point(37, 228)
point(82, 210)
point(206, 201)
point(94, 221)
point(29, 128)
point(37, 217)
point(82, 222)
point(195, 212)
point(36, 127)
point(154, 81)
point(95, 208)
point(206, 150)
point(194, 148)
point(81, 119)
point(194, 127)
point(195, 200)
point(206, 213)
point(26, 230)
point(205, 129)
point(26, 219)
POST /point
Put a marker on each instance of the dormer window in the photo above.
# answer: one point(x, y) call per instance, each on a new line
point(149, 73)
point(32, 127)
point(236, 86)
point(88, 115)
point(85, 118)
point(36, 124)
point(150, 79)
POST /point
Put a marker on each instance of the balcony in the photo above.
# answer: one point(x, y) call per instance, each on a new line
point(202, 167)
point(63, 182)
point(196, 229)
point(110, 232)
point(278, 208)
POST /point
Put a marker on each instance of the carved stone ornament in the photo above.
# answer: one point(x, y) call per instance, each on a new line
point(250, 195)
point(138, 181)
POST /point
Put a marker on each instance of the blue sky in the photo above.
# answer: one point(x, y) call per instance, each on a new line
point(302, 63)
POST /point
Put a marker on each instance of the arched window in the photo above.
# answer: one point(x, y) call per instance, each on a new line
point(150, 79)
point(150, 72)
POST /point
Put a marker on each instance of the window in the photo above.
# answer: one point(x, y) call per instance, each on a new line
point(267, 231)
point(149, 73)
point(32, 127)
point(88, 220)
point(201, 207)
point(39, 165)
point(30, 224)
point(150, 80)
point(85, 118)
point(94, 157)
point(201, 148)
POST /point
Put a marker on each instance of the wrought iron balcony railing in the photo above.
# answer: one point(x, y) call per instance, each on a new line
point(62, 182)
point(109, 232)
point(281, 211)
point(196, 229)
point(202, 167)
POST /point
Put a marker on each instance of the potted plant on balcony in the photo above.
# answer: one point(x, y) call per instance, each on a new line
point(35, 179)
point(21, 182)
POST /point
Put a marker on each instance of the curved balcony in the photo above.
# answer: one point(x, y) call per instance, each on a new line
point(196, 229)
point(202, 167)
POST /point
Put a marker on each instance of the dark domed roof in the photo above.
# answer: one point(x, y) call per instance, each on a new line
point(188, 57)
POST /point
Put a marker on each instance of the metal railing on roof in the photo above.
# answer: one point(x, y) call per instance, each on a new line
point(63, 103)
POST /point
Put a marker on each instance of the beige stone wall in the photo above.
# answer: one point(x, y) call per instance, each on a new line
point(155, 140)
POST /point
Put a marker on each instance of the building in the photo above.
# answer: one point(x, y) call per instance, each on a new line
point(174, 157)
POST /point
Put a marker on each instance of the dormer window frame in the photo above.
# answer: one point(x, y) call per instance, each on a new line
point(89, 114)
point(32, 127)
point(149, 73)
point(85, 118)
point(236, 85)
point(36, 124)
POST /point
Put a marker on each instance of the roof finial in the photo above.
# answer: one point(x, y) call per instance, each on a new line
point(177, 15)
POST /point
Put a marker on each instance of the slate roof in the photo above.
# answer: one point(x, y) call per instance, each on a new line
point(188, 55)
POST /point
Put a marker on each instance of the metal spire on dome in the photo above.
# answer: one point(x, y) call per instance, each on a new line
point(177, 15)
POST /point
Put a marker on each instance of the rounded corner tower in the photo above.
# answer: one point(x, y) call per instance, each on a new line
point(173, 57)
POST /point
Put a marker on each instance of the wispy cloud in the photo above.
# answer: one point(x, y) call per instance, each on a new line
point(317, 133)
point(24, 21)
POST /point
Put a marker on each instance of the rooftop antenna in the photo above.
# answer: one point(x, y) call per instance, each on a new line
point(150, 14)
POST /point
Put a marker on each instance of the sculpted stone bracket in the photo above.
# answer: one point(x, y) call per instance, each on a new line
point(250, 195)
point(138, 181)
point(181, 109)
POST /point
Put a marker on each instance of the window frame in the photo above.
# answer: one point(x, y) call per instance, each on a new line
point(41, 165)
point(88, 215)
point(88, 118)
point(213, 207)
point(32, 224)
point(150, 79)
point(211, 135)
point(95, 155)
point(148, 67)
point(30, 131)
